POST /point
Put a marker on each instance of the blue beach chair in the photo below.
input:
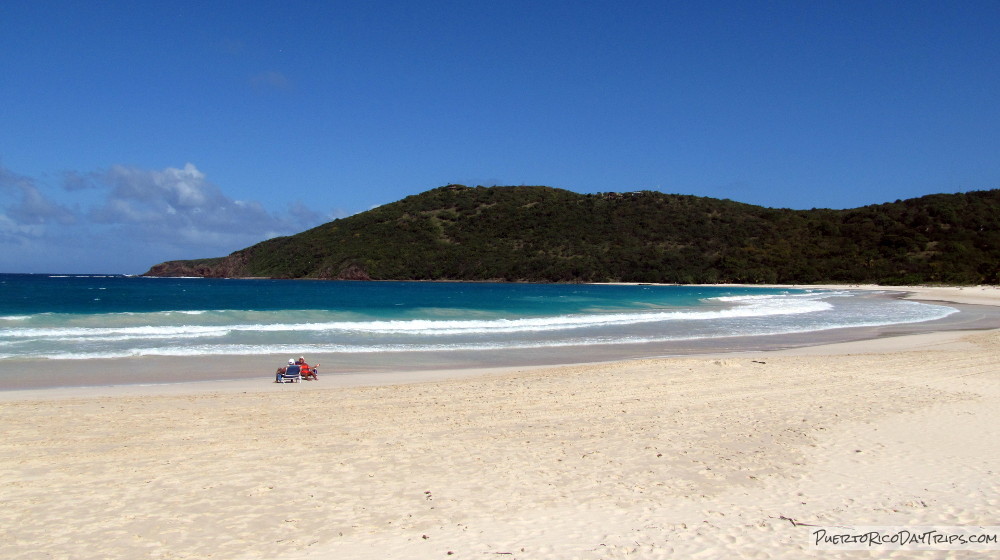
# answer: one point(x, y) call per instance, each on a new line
point(292, 374)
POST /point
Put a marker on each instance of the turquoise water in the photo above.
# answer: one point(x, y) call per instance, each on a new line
point(82, 317)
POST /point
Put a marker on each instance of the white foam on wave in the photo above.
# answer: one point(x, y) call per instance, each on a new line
point(252, 350)
point(747, 306)
point(181, 331)
point(729, 316)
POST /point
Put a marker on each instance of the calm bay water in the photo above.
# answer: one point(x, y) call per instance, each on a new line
point(82, 317)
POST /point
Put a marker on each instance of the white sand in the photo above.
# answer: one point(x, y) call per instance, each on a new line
point(701, 457)
point(973, 295)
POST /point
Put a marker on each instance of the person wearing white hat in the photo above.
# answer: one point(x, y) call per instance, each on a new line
point(292, 369)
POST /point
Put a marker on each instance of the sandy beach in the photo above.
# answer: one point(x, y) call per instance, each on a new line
point(712, 456)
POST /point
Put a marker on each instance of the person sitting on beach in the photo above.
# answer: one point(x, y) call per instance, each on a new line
point(292, 368)
point(308, 372)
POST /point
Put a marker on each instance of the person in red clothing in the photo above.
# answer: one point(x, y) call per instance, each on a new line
point(308, 372)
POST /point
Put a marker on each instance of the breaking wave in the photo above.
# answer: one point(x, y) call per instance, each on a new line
point(231, 332)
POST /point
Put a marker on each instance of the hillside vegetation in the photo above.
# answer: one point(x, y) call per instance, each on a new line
point(553, 235)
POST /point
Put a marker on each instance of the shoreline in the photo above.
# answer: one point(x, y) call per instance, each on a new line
point(711, 455)
point(159, 374)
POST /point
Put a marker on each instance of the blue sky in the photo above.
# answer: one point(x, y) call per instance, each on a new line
point(137, 132)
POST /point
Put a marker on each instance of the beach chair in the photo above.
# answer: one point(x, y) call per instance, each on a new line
point(292, 374)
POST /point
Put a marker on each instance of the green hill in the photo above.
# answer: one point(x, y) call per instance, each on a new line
point(553, 235)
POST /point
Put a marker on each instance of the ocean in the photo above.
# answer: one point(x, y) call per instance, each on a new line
point(81, 317)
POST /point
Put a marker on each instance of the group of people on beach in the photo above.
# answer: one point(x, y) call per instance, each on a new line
point(297, 366)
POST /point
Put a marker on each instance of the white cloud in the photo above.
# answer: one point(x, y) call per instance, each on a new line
point(31, 206)
point(141, 215)
point(183, 204)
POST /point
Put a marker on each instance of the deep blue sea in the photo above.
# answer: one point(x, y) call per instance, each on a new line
point(80, 317)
